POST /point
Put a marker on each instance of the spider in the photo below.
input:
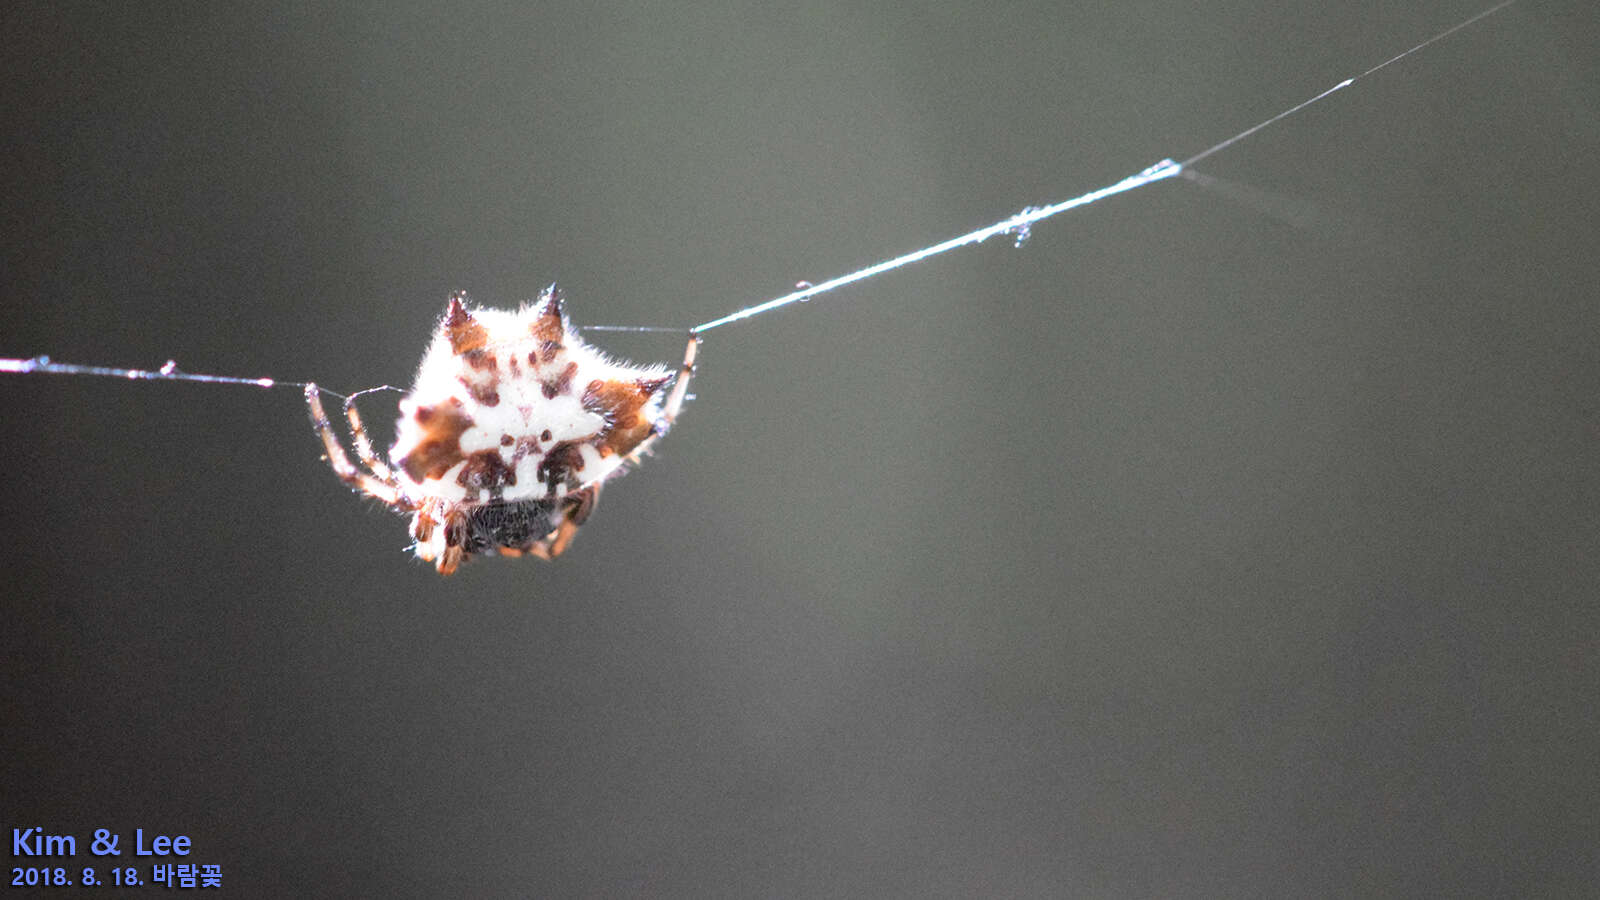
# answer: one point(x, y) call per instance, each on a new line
point(513, 425)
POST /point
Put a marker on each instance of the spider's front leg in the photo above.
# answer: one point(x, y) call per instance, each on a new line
point(680, 388)
point(368, 483)
point(358, 433)
point(674, 402)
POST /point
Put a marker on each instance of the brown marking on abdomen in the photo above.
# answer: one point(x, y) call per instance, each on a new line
point(563, 382)
point(440, 446)
point(525, 446)
point(486, 471)
point(622, 403)
point(466, 334)
point(486, 393)
point(549, 326)
point(558, 465)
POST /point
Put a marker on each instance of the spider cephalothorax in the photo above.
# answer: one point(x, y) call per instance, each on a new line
point(513, 425)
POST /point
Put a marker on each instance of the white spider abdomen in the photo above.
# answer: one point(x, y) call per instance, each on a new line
point(513, 406)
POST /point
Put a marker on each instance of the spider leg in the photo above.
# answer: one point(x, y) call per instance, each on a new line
point(422, 526)
point(358, 434)
point(365, 482)
point(579, 505)
point(555, 543)
point(674, 402)
point(455, 537)
point(680, 388)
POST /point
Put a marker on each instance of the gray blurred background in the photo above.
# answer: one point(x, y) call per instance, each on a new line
point(1236, 541)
